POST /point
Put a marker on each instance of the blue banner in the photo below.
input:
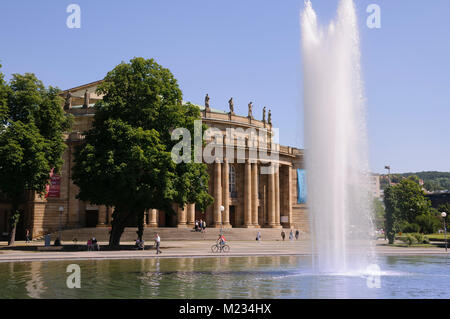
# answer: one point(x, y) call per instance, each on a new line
point(301, 186)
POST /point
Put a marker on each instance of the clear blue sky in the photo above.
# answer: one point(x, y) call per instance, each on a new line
point(250, 50)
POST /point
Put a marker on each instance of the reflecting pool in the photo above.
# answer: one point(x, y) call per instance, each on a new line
point(225, 277)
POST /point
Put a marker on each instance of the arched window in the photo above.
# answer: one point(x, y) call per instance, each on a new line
point(232, 181)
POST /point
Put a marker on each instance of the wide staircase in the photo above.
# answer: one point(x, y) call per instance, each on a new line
point(173, 234)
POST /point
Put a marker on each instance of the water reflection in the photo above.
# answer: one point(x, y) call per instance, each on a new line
point(35, 284)
point(222, 277)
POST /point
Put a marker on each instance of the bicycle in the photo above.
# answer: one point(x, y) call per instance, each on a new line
point(220, 248)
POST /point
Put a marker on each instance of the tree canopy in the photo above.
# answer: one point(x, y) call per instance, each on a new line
point(433, 181)
point(125, 159)
point(31, 137)
point(407, 209)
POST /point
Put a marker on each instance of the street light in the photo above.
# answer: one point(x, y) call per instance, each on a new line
point(221, 217)
point(444, 215)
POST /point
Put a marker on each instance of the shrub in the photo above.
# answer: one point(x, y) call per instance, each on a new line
point(409, 239)
point(428, 224)
point(409, 227)
point(421, 238)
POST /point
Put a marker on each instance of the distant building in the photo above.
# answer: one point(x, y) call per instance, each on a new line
point(375, 185)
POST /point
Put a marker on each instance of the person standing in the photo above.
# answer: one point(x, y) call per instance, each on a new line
point(297, 234)
point(204, 226)
point(258, 237)
point(157, 243)
point(291, 235)
point(27, 235)
point(283, 234)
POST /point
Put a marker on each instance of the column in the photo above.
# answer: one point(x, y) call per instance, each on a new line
point(153, 218)
point(226, 194)
point(247, 195)
point(101, 216)
point(255, 195)
point(271, 199)
point(110, 211)
point(145, 218)
point(191, 214)
point(217, 193)
point(277, 195)
point(181, 216)
point(289, 196)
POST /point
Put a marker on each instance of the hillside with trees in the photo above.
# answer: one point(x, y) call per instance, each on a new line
point(433, 181)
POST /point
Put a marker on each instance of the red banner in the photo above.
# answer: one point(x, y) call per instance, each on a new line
point(53, 190)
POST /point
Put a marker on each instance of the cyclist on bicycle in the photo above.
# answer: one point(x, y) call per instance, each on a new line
point(221, 240)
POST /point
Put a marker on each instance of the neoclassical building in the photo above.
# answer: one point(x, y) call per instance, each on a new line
point(244, 195)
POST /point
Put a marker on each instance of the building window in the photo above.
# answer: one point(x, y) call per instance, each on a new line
point(232, 181)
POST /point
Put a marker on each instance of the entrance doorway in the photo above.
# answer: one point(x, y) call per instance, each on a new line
point(233, 216)
point(91, 218)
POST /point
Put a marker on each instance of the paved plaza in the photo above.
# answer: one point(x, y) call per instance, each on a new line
point(193, 249)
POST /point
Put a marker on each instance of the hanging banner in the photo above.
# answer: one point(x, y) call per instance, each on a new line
point(53, 190)
point(301, 190)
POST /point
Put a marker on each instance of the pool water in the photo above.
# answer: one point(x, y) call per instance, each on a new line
point(225, 277)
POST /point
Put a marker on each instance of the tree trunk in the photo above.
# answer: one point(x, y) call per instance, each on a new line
point(117, 227)
point(391, 237)
point(140, 224)
point(15, 215)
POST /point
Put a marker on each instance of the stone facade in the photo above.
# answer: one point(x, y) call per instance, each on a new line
point(250, 199)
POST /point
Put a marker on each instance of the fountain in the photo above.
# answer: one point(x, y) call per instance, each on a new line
point(336, 142)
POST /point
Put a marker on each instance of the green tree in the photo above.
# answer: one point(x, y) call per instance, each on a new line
point(411, 200)
point(125, 160)
point(31, 138)
point(392, 214)
point(428, 223)
point(444, 208)
point(404, 202)
point(3, 101)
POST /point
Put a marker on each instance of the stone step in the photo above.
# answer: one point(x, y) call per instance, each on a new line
point(172, 234)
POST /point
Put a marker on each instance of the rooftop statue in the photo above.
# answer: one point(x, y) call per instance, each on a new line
point(68, 102)
point(231, 103)
point(264, 115)
point(269, 119)
point(207, 102)
point(87, 97)
point(250, 110)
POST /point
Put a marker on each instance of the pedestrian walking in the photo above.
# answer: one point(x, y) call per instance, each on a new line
point(297, 234)
point(27, 235)
point(258, 237)
point(283, 234)
point(157, 243)
point(291, 235)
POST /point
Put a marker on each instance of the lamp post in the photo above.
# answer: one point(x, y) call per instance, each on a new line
point(61, 210)
point(221, 217)
point(444, 215)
